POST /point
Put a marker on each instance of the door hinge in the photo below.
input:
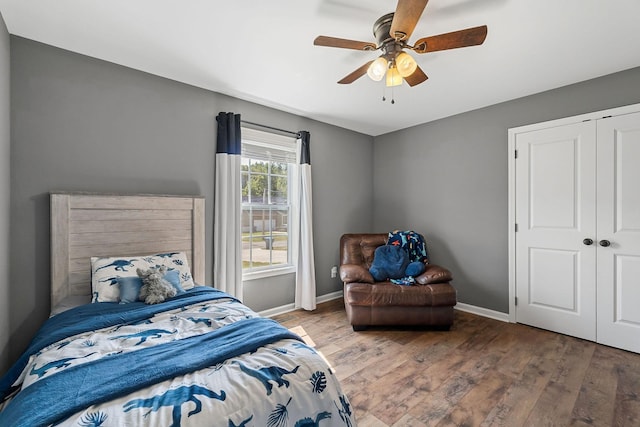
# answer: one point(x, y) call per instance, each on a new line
point(516, 227)
point(516, 154)
point(516, 300)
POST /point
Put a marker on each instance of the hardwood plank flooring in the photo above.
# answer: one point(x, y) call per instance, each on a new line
point(482, 372)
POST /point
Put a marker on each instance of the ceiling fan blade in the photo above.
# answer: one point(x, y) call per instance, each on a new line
point(356, 74)
point(343, 43)
point(463, 38)
point(417, 77)
point(406, 18)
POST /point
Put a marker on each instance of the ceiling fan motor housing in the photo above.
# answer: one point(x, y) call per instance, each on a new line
point(381, 29)
point(388, 44)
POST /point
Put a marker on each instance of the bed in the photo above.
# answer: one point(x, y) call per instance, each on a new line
point(200, 358)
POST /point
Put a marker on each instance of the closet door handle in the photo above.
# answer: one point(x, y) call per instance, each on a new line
point(604, 243)
point(588, 241)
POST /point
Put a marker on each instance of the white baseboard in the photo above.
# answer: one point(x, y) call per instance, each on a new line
point(484, 312)
point(290, 307)
point(468, 308)
point(329, 297)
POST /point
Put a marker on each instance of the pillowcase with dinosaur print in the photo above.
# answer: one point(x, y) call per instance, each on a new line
point(105, 272)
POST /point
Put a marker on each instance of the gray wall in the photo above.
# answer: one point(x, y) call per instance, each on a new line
point(83, 124)
point(448, 180)
point(5, 137)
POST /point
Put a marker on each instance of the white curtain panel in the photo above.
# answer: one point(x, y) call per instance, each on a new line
point(305, 295)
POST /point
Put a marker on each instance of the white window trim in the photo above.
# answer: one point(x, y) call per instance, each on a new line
point(268, 272)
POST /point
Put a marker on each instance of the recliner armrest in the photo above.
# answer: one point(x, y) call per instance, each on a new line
point(434, 274)
point(350, 273)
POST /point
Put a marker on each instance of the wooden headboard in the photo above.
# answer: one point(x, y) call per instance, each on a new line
point(84, 225)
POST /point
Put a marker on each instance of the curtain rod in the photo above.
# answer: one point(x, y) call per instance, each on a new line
point(296, 134)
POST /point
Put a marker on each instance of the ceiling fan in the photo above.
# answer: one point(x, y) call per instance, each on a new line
point(392, 31)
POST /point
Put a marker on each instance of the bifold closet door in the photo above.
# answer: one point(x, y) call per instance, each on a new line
point(556, 220)
point(618, 222)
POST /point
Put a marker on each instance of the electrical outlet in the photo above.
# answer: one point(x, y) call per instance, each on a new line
point(334, 272)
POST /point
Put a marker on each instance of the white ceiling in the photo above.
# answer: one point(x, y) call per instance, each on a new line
point(262, 51)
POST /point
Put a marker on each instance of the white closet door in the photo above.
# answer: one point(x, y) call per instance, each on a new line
point(618, 279)
point(555, 212)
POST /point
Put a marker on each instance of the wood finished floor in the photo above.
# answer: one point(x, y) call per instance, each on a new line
point(482, 372)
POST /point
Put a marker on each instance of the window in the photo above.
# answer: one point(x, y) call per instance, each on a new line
point(268, 171)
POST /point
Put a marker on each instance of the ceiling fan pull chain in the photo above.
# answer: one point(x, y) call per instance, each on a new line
point(393, 101)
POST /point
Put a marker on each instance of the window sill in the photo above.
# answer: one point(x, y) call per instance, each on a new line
point(254, 275)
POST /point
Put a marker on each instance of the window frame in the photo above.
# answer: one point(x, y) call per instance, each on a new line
point(261, 140)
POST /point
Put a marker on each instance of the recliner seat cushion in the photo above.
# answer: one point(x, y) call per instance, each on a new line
point(386, 294)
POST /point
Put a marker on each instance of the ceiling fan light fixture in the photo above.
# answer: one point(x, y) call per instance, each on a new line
point(393, 77)
point(406, 64)
point(377, 69)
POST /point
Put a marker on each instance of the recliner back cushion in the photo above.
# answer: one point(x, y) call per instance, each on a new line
point(359, 248)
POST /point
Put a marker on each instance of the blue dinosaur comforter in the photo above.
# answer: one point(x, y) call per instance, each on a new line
point(200, 359)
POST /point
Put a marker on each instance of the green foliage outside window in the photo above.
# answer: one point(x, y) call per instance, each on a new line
point(255, 181)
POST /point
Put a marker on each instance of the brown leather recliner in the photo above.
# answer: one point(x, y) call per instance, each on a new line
point(429, 302)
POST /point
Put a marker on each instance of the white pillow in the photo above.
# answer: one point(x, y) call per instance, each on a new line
point(105, 272)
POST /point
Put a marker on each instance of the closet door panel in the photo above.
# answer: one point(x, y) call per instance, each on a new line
point(555, 212)
point(618, 219)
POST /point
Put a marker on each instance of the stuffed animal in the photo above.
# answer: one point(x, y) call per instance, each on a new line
point(155, 288)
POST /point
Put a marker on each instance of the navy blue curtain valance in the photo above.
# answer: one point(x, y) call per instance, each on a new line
point(229, 140)
point(305, 155)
